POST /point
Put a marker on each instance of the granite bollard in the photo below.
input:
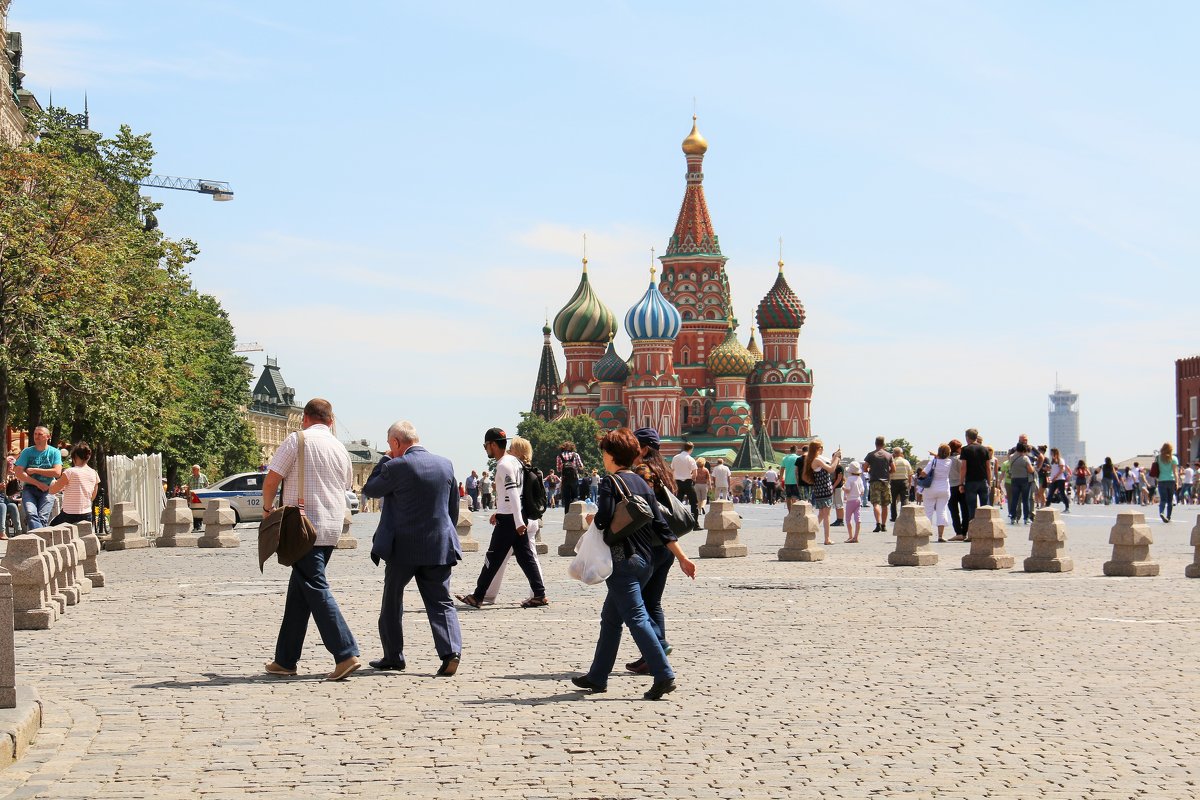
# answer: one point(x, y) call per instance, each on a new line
point(345, 540)
point(574, 525)
point(219, 520)
point(25, 561)
point(66, 555)
point(802, 530)
point(8, 653)
point(539, 546)
point(124, 524)
point(55, 563)
point(987, 534)
point(1193, 570)
point(78, 579)
point(722, 524)
point(465, 540)
point(1131, 539)
point(91, 544)
point(1049, 536)
point(913, 531)
point(176, 522)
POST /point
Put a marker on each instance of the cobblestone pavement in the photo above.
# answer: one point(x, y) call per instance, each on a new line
point(843, 678)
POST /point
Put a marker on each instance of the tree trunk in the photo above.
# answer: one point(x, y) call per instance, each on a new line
point(5, 409)
point(33, 397)
point(79, 424)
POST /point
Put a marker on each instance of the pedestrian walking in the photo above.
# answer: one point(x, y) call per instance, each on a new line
point(570, 467)
point(520, 449)
point(902, 480)
point(1168, 478)
point(1060, 473)
point(936, 497)
point(879, 470)
point(683, 472)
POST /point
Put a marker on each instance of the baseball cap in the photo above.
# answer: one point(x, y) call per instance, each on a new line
point(648, 437)
point(495, 435)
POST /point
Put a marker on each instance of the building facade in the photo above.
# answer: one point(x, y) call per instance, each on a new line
point(1187, 408)
point(14, 97)
point(1064, 427)
point(273, 413)
point(688, 375)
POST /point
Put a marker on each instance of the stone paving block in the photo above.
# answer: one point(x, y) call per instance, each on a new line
point(574, 526)
point(722, 523)
point(1131, 539)
point(177, 524)
point(1193, 570)
point(913, 532)
point(1049, 536)
point(802, 529)
point(987, 534)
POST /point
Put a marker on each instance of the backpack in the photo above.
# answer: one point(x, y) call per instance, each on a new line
point(533, 493)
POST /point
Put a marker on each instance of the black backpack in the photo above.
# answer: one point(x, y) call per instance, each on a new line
point(533, 493)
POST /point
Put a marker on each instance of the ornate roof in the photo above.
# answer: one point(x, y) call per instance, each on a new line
point(652, 317)
point(694, 234)
point(584, 318)
point(545, 391)
point(729, 359)
point(695, 144)
point(752, 347)
point(781, 308)
point(611, 367)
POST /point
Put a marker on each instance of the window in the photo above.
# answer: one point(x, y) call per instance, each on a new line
point(1192, 403)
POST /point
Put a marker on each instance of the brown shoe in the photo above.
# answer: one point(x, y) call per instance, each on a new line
point(344, 668)
point(274, 669)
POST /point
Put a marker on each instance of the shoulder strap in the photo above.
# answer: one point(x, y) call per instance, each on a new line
point(620, 485)
point(300, 460)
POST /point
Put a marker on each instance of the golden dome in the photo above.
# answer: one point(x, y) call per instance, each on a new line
point(695, 144)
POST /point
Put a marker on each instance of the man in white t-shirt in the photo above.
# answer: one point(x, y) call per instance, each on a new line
point(770, 480)
point(720, 478)
point(683, 468)
point(1188, 479)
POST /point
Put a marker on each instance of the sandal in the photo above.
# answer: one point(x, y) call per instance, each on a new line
point(535, 602)
point(468, 599)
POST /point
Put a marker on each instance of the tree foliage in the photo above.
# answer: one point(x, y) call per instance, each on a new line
point(906, 446)
point(547, 437)
point(102, 335)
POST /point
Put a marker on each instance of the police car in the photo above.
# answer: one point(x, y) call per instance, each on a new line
point(244, 493)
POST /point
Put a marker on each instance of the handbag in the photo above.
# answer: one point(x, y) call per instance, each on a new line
point(630, 516)
point(679, 517)
point(1154, 469)
point(593, 558)
point(287, 531)
point(925, 481)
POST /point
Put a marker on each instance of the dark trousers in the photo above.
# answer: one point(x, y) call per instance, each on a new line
point(686, 490)
point(570, 490)
point(976, 495)
point(308, 595)
point(1058, 494)
point(71, 518)
point(1019, 501)
point(899, 496)
point(958, 511)
point(504, 538)
point(769, 493)
point(433, 582)
point(652, 592)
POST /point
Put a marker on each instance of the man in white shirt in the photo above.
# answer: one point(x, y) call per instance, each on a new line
point(327, 476)
point(510, 531)
point(1185, 488)
point(770, 480)
point(683, 468)
point(720, 477)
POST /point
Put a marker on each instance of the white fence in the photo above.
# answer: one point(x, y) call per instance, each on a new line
point(138, 480)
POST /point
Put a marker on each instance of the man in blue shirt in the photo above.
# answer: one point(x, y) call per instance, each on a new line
point(37, 467)
point(791, 486)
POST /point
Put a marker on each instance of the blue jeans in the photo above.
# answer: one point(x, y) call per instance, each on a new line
point(8, 507)
point(624, 604)
point(39, 506)
point(652, 592)
point(1019, 504)
point(1166, 497)
point(595, 492)
point(976, 495)
point(308, 595)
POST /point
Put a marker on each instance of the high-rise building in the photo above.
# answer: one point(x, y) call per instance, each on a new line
point(1064, 426)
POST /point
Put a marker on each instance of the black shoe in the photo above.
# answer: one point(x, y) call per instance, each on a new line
point(638, 667)
point(583, 683)
point(660, 688)
point(876, 528)
point(1163, 517)
point(836, 523)
point(883, 528)
point(383, 664)
point(449, 665)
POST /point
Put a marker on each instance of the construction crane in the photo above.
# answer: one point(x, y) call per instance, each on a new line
point(219, 190)
point(247, 347)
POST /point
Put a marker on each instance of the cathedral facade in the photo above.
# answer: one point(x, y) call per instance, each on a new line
point(688, 375)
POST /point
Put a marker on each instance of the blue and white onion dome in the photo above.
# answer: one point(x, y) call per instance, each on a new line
point(653, 317)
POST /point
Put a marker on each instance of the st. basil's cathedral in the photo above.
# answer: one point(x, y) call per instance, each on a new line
point(688, 376)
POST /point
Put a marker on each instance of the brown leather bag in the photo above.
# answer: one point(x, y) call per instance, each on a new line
point(287, 532)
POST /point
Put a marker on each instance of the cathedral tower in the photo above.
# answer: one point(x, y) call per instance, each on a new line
point(545, 391)
point(652, 389)
point(584, 326)
point(780, 387)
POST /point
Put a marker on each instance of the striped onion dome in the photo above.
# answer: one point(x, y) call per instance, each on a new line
point(584, 318)
point(729, 359)
point(611, 367)
point(781, 308)
point(653, 317)
point(752, 347)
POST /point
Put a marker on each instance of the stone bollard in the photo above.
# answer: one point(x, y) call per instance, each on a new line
point(1193, 570)
point(66, 553)
point(913, 531)
point(539, 546)
point(465, 541)
point(345, 540)
point(1131, 539)
point(722, 523)
point(25, 560)
point(124, 525)
point(574, 525)
point(78, 580)
point(176, 522)
point(219, 520)
point(91, 545)
point(55, 563)
point(986, 533)
point(1049, 536)
point(802, 530)
point(8, 652)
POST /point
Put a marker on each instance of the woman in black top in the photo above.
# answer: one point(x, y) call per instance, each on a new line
point(633, 559)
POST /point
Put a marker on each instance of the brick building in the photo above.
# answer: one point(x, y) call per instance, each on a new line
point(1187, 408)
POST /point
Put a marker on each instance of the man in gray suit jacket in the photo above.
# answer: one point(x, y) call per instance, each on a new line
point(417, 538)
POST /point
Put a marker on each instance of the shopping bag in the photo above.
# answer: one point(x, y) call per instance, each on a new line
point(593, 559)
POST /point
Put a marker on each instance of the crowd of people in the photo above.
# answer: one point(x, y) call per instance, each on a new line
point(42, 492)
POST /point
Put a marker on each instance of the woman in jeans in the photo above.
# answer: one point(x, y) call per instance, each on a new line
point(1168, 479)
point(1021, 470)
point(1108, 474)
point(633, 559)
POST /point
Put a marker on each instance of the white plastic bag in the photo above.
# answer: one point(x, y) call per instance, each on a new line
point(593, 560)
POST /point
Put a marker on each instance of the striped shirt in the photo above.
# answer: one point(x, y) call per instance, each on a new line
point(327, 476)
point(77, 497)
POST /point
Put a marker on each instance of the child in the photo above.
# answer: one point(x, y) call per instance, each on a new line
point(853, 492)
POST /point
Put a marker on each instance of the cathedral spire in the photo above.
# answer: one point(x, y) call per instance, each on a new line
point(545, 391)
point(694, 234)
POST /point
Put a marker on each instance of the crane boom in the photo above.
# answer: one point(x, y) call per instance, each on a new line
point(219, 190)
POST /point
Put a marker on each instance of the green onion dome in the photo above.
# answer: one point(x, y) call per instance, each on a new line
point(781, 307)
point(584, 318)
point(611, 367)
point(729, 359)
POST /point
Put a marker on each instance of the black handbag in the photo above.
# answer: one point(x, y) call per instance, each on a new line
point(679, 517)
point(630, 516)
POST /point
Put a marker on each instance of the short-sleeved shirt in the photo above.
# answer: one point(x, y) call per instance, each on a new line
point(976, 457)
point(49, 458)
point(327, 476)
point(682, 466)
point(879, 465)
point(789, 467)
point(77, 497)
point(903, 470)
point(1020, 467)
point(1166, 469)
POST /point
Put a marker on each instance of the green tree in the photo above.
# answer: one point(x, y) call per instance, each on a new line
point(547, 437)
point(904, 445)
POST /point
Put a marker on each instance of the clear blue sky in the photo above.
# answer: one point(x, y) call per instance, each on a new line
point(973, 197)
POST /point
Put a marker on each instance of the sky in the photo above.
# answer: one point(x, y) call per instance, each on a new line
point(976, 199)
